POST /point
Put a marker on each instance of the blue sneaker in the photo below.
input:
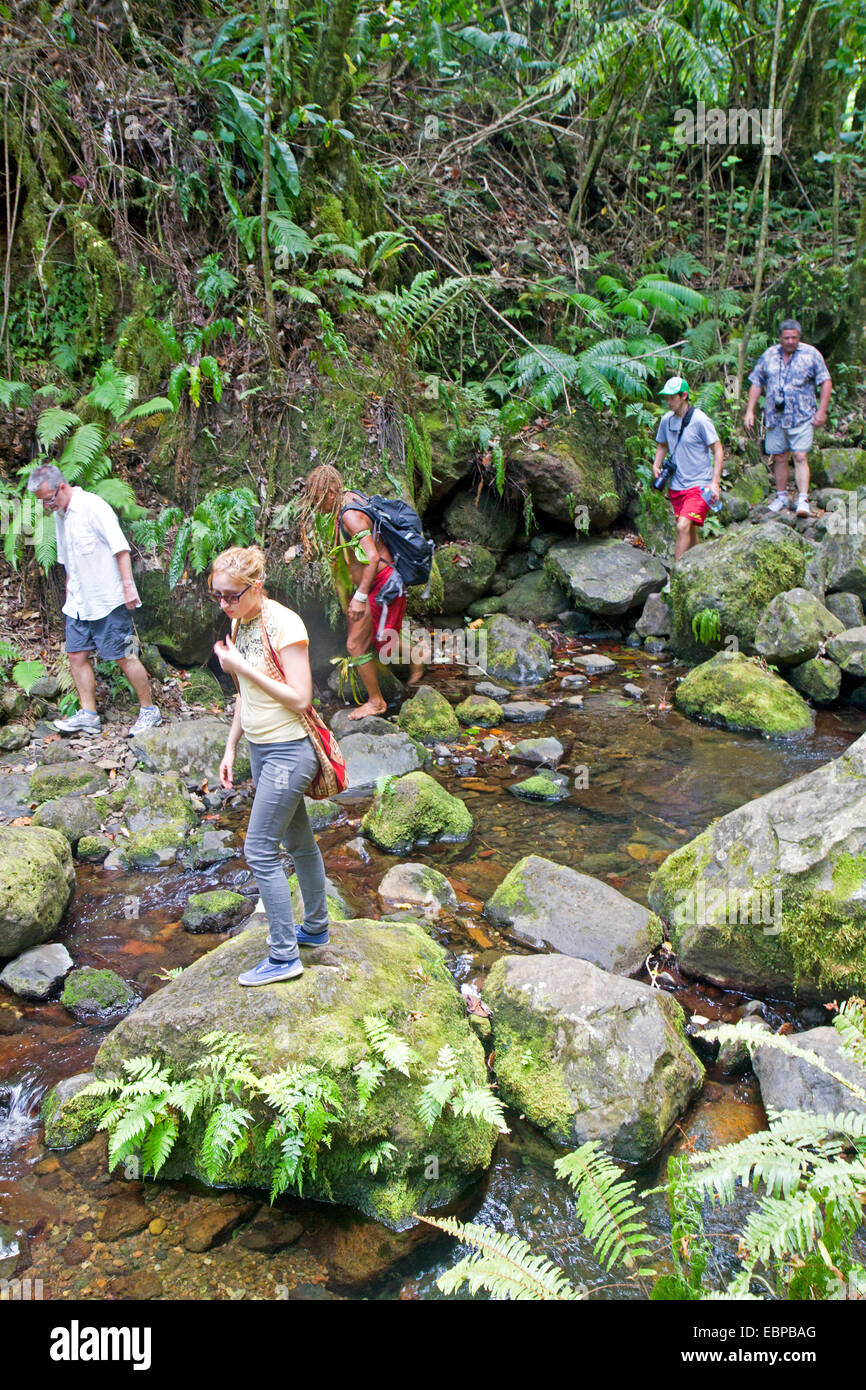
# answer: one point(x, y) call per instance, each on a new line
point(312, 938)
point(268, 973)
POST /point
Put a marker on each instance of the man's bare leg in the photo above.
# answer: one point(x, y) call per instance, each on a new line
point(137, 677)
point(801, 471)
point(416, 673)
point(358, 643)
point(780, 466)
point(687, 536)
point(85, 680)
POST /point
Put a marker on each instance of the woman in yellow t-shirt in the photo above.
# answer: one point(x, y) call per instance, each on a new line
point(270, 663)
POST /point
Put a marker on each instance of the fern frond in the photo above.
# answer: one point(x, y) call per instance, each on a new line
point(112, 390)
point(503, 1265)
point(394, 1050)
point(610, 1218)
point(53, 423)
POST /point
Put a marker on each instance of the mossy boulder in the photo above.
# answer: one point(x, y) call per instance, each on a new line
point(159, 817)
point(55, 780)
point(606, 576)
point(543, 786)
point(549, 904)
point(13, 704)
point(516, 653)
point(738, 693)
point(534, 597)
point(569, 471)
point(392, 971)
point(37, 880)
point(772, 897)
point(13, 737)
point(466, 570)
point(590, 1056)
point(738, 576)
point(844, 554)
point(794, 626)
point(819, 679)
point(424, 599)
point(415, 810)
point(193, 749)
point(203, 688)
point(416, 888)
point(848, 608)
point(73, 816)
point(70, 1118)
point(323, 813)
point(96, 995)
point(339, 908)
point(429, 717)
point(371, 756)
point(479, 711)
point(484, 519)
point(844, 468)
point(182, 622)
point(848, 650)
point(92, 849)
point(215, 911)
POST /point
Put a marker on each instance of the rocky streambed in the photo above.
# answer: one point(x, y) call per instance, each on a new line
point(543, 840)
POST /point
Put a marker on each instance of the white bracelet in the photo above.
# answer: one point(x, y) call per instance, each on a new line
point(360, 596)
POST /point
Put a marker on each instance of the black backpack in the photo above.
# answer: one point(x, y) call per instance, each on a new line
point(400, 528)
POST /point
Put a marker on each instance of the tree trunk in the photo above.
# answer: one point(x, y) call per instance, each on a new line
point(267, 280)
point(854, 347)
point(810, 118)
point(326, 85)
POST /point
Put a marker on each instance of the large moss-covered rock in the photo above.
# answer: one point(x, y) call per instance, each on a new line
point(848, 608)
point(159, 817)
point(96, 995)
point(415, 810)
point(424, 599)
point(484, 519)
point(844, 468)
point(515, 652)
point(466, 570)
point(590, 1056)
point(203, 688)
point(71, 778)
point(738, 693)
point(549, 904)
point(370, 756)
point(392, 971)
point(182, 622)
point(37, 880)
point(479, 711)
point(73, 816)
point(818, 679)
point(772, 897)
point(848, 650)
point(534, 597)
point(69, 1118)
point(606, 576)
point(793, 627)
point(429, 717)
point(193, 749)
point(215, 911)
point(844, 553)
point(568, 471)
point(737, 575)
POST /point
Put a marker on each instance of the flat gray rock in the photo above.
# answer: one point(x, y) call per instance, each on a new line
point(525, 711)
point(537, 752)
point(38, 971)
point(342, 725)
point(369, 756)
point(606, 576)
point(788, 1083)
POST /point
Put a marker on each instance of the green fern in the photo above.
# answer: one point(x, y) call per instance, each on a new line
point(605, 1205)
point(394, 1050)
point(502, 1265)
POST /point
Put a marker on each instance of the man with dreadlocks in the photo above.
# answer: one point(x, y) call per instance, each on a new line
point(326, 495)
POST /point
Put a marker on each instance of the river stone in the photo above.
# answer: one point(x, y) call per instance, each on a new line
point(415, 810)
point(549, 904)
point(655, 620)
point(845, 562)
point(209, 847)
point(848, 650)
point(96, 995)
point(37, 880)
point(322, 813)
point(515, 652)
point(342, 725)
point(13, 737)
point(339, 908)
point(525, 711)
point(537, 752)
point(847, 608)
point(590, 1056)
point(418, 888)
point(203, 688)
point(818, 679)
point(93, 849)
point(576, 681)
point(477, 711)
point(606, 576)
point(568, 471)
point(535, 597)
point(73, 777)
point(790, 1083)
point(159, 816)
point(491, 691)
point(428, 716)
point(793, 628)
point(70, 1118)
point(596, 664)
point(216, 911)
point(481, 518)
point(736, 692)
point(370, 756)
point(840, 468)
point(391, 971)
point(466, 570)
point(795, 860)
point(38, 971)
point(194, 749)
point(542, 786)
point(73, 816)
point(737, 575)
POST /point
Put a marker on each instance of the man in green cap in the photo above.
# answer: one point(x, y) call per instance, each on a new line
point(697, 456)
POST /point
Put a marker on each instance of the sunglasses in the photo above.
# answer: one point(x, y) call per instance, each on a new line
point(228, 596)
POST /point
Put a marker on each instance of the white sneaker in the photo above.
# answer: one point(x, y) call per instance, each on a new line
point(779, 503)
point(84, 721)
point(147, 719)
point(803, 508)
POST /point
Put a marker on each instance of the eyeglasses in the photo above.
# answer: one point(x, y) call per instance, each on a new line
point(227, 596)
point(49, 501)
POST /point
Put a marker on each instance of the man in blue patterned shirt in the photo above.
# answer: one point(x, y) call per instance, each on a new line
point(786, 375)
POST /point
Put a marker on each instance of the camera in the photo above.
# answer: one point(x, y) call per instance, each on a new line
point(666, 472)
point(779, 401)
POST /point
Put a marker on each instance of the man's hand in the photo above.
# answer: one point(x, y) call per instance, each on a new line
point(657, 468)
point(715, 491)
point(130, 594)
point(357, 609)
point(749, 420)
point(820, 417)
point(229, 657)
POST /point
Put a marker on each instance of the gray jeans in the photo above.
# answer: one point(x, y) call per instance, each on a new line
point(282, 772)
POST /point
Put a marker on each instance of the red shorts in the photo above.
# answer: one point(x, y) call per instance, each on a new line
point(689, 502)
point(396, 610)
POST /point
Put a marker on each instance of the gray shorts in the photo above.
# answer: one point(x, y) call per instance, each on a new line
point(112, 637)
point(778, 440)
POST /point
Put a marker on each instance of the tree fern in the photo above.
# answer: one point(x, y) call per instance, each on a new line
point(502, 1265)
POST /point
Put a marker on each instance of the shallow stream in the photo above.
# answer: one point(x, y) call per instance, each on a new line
point(653, 780)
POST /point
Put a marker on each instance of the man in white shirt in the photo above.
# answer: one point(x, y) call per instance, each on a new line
point(100, 596)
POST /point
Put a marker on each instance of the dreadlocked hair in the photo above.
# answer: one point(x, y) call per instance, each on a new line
point(324, 481)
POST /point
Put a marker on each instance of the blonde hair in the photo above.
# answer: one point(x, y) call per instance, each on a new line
point(245, 562)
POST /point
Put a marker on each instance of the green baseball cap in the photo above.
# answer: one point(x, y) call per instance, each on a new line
point(674, 385)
